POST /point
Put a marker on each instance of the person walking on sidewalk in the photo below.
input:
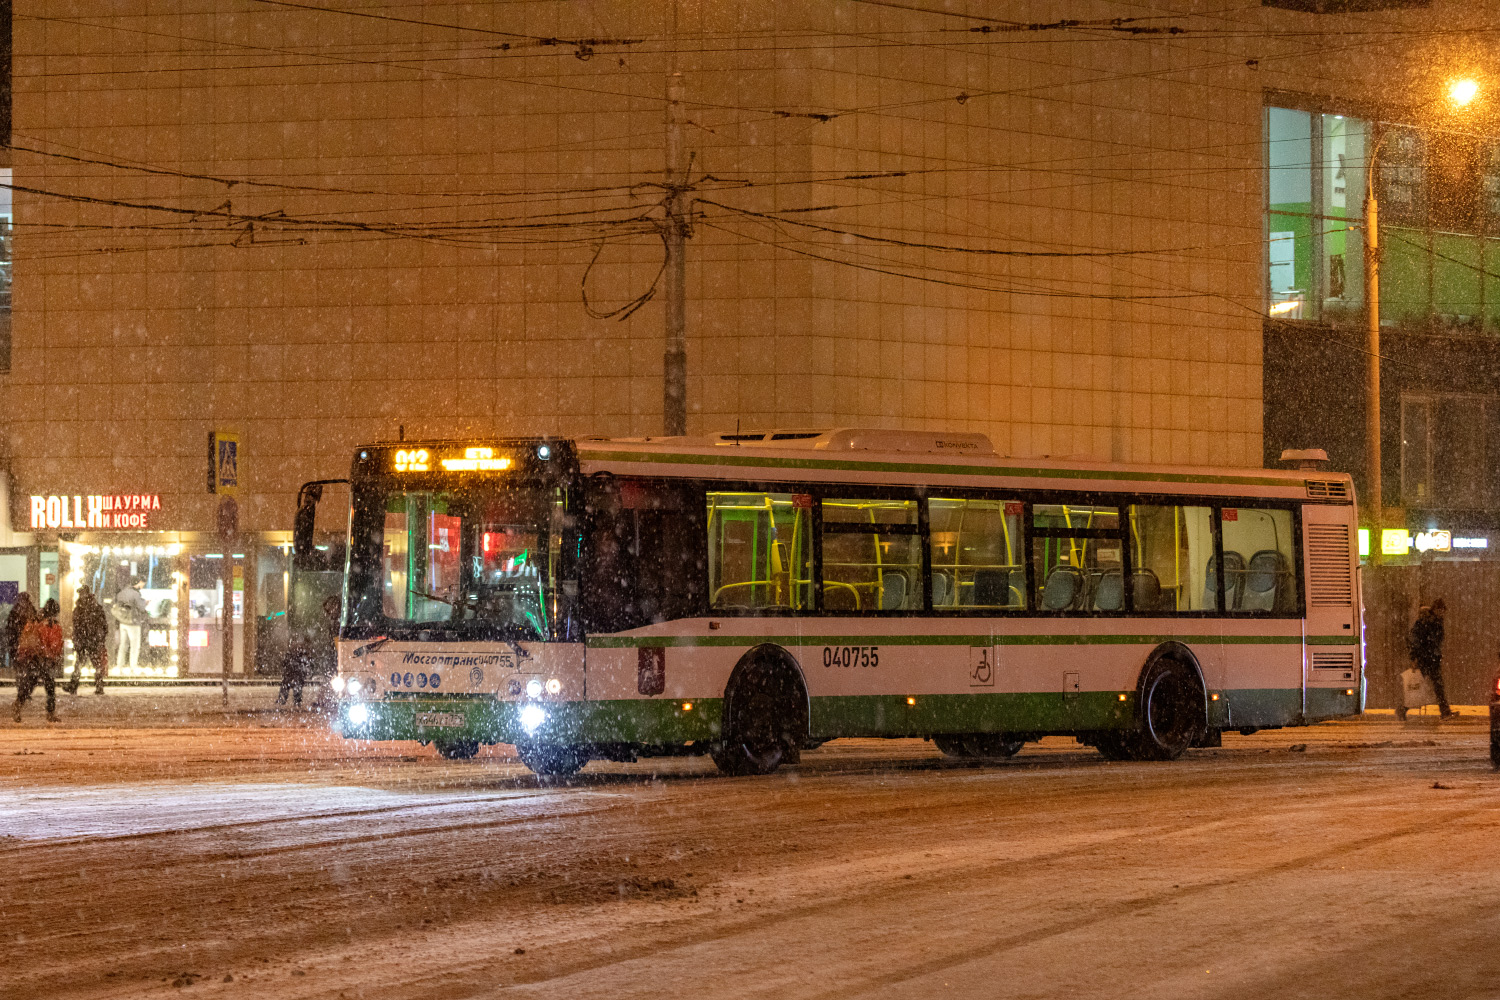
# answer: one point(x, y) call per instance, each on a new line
point(22, 613)
point(90, 629)
point(131, 612)
point(39, 654)
point(1425, 644)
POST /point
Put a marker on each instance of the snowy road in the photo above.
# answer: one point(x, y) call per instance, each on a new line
point(1352, 860)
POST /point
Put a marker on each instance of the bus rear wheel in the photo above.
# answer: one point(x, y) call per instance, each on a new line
point(456, 749)
point(1114, 745)
point(1171, 712)
point(552, 759)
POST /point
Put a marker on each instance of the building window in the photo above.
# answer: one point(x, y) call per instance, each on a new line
point(1315, 193)
point(6, 230)
point(6, 226)
point(1450, 451)
point(1439, 223)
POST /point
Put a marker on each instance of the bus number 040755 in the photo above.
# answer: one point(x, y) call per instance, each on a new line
point(851, 656)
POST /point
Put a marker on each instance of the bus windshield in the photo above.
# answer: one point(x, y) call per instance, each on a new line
point(481, 561)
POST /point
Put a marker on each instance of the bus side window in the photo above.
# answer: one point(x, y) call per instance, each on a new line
point(1076, 557)
point(759, 551)
point(644, 554)
point(976, 554)
point(1260, 562)
point(872, 555)
point(1172, 557)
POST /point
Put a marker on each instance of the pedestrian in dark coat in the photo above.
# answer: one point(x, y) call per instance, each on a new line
point(1425, 644)
point(38, 656)
point(90, 631)
point(22, 613)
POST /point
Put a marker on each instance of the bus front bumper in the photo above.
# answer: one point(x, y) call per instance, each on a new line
point(490, 720)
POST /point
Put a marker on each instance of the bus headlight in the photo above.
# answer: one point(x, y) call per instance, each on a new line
point(532, 718)
point(534, 688)
point(554, 686)
point(337, 684)
point(359, 714)
point(354, 685)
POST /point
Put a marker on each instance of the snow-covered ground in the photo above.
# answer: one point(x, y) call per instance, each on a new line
point(258, 856)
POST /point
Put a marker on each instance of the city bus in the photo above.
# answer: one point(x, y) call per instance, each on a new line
point(753, 595)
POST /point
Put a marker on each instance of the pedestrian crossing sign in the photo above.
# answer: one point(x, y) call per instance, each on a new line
point(224, 463)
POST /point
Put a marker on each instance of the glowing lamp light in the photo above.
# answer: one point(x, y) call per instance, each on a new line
point(337, 684)
point(1461, 92)
point(911, 701)
point(359, 714)
point(354, 686)
point(534, 688)
point(532, 718)
point(1395, 541)
point(554, 686)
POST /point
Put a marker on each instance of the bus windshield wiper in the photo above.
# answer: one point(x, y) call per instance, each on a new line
point(516, 647)
point(371, 646)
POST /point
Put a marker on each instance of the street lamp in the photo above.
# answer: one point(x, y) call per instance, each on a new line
point(1460, 94)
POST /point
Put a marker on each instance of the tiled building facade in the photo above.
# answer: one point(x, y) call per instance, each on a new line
point(318, 227)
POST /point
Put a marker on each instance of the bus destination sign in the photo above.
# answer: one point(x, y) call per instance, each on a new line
point(478, 459)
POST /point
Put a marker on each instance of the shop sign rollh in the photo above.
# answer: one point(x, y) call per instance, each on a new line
point(128, 511)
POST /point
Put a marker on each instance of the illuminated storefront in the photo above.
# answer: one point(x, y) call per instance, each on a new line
point(1399, 545)
point(104, 541)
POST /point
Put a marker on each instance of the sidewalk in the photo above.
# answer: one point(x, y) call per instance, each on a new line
point(164, 705)
point(1468, 715)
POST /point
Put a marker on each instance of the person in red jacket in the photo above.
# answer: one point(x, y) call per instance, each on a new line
point(38, 655)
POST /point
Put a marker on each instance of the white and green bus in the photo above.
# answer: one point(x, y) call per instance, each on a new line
point(750, 596)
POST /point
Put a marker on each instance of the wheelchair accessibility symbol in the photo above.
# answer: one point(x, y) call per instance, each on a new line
point(981, 666)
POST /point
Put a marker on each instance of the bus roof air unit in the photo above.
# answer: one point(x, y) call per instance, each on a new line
point(863, 439)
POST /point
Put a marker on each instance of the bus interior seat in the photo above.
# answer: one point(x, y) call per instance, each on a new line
point(942, 590)
point(892, 591)
point(1145, 590)
point(1064, 589)
point(1234, 582)
point(1109, 591)
point(1265, 579)
point(992, 588)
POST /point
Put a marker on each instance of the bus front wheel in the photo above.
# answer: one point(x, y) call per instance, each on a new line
point(552, 759)
point(763, 725)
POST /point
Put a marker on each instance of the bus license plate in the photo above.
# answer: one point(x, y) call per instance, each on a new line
point(450, 719)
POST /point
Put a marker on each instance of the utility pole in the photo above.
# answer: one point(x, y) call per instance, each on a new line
point(1373, 459)
point(674, 361)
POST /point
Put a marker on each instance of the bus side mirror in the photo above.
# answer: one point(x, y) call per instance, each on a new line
point(305, 519)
